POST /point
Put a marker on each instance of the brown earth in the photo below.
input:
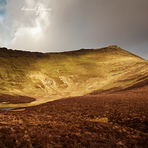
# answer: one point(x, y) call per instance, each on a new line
point(15, 99)
point(114, 120)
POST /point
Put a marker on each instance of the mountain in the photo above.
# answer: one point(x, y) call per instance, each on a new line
point(50, 76)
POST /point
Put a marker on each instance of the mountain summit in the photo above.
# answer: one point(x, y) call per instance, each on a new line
point(49, 76)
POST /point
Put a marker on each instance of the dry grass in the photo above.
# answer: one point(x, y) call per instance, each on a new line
point(75, 73)
point(18, 110)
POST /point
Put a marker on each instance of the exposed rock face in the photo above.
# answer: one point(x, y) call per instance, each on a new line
point(69, 73)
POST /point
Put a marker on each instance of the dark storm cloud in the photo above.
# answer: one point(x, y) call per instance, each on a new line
point(75, 24)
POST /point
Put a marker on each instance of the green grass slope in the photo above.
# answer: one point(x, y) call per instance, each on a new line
point(49, 76)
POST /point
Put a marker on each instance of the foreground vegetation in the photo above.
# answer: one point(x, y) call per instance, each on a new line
point(111, 120)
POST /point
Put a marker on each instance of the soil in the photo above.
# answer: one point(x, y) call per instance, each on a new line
point(115, 120)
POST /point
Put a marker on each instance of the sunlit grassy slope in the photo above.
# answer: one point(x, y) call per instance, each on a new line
point(73, 73)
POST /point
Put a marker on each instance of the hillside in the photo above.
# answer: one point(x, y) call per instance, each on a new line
point(84, 98)
point(50, 76)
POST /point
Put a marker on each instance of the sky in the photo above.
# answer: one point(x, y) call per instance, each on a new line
point(65, 25)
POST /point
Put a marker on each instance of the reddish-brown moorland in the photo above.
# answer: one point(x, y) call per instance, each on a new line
point(118, 119)
point(15, 99)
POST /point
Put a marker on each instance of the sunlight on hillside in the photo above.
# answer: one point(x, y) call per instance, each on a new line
point(53, 76)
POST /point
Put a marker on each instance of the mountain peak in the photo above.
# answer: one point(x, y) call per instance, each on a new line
point(113, 46)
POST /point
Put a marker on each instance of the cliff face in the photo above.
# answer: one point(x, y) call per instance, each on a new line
point(73, 73)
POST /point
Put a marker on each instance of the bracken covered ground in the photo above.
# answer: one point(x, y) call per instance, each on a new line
point(118, 119)
point(15, 99)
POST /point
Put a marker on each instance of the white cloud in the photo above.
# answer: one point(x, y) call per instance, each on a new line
point(30, 34)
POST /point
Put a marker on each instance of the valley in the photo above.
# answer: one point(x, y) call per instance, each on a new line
point(51, 76)
point(77, 99)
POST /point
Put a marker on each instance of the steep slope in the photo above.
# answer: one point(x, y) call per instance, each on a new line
point(51, 76)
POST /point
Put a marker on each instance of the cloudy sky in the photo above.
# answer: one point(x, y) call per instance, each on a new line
point(65, 25)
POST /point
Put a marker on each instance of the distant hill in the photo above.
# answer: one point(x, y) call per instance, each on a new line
point(49, 76)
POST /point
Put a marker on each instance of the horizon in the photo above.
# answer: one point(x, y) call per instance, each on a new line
point(68, 50)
